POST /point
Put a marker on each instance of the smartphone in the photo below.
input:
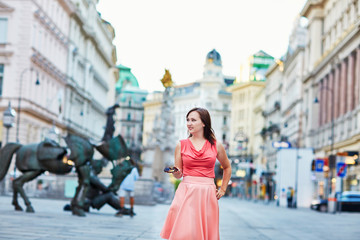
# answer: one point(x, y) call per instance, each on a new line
point(171, 169)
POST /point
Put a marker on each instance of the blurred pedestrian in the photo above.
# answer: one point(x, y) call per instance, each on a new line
point(289, 195)
point(127, 188)
point(194, 212)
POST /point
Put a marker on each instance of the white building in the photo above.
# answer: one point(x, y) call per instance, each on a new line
point(91, 70)
point(292, 87)
point(208, 92)
point(33, 58)
point(58, 57)
point(272, 113)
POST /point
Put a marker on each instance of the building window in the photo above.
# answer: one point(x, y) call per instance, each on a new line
point(241, 115)
point(3, 30)
point(224, 120)
point(225, 107)
point(1, 77)
point(129, 117)
point(208, 105)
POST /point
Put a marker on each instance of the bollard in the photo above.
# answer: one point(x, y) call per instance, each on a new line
point(332, 203)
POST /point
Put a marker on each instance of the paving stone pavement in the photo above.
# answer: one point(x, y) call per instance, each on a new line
point(239, 219)
point(50, 222)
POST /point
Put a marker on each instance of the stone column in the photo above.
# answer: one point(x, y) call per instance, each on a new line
point(336, 90)
point(315, 32)
point(330, 95)
point(357, 77)
point(322, 101)
point(342, 97)
point(350, 83)
point(326, 101)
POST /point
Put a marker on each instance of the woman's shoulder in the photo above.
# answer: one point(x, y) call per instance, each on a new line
point(219, 145)
point(183, 141)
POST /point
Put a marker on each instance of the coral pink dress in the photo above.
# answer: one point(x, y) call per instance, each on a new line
point(194, 212)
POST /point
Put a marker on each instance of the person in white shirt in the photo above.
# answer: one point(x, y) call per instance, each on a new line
point(127, 188)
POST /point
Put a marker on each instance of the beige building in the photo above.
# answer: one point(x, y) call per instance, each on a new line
point(152, 109)
point(243, 104)
point(332, 75)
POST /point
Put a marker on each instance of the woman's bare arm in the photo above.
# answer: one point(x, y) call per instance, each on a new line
point(225, 163)
point(178, 161)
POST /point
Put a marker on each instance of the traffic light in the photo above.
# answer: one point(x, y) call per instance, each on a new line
point(313, 165)
point(332, 161)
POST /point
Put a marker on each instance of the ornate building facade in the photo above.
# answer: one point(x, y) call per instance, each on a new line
point(332, 77)
point(57, 68)
point(33, 57)
point(91, 70)
point(58, 57)
point(131, 112)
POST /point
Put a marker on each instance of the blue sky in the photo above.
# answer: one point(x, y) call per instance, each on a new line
point(177, 35)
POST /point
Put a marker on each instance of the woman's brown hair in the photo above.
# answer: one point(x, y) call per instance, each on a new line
point(205, 118)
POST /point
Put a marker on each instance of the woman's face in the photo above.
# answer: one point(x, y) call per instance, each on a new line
point(194, 123)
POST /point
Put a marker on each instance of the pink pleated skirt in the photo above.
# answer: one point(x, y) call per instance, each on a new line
point(194, 212)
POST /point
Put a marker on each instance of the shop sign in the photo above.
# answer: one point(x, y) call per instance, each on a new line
point(319, 165)
point(341, 169)
point(278, 144)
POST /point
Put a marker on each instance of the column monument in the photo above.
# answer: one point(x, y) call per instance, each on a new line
point(161, 146)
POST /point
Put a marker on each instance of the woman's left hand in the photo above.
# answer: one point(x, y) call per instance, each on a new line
point(219, 193)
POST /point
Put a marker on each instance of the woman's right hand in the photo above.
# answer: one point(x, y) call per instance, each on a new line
point(171, 169)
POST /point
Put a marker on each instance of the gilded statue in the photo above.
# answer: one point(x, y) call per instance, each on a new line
point(166, 80)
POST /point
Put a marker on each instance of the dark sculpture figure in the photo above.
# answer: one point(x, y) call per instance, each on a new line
point(34, 159)
point(99, 194)
point(110, 129)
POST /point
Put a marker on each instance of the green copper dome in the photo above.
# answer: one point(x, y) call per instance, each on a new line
point(125, 78)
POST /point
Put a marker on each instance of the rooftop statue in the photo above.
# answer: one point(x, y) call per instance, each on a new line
point(166, 80)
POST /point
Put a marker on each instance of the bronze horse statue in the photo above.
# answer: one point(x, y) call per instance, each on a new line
point(34, 159)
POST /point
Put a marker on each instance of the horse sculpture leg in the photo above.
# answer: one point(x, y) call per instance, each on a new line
point(78, 202)
point(18, 184)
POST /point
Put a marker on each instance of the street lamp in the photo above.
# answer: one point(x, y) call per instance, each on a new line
point(53, 132)
point(331, 159)
point(20, 92)
point(19, 106)
point(8, 120)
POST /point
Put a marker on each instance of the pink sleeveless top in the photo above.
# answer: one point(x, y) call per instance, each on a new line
point(198, 163)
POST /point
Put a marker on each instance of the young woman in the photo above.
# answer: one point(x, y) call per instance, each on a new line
point(194, 212)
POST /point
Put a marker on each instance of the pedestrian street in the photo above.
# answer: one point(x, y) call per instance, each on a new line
point(239, 219)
